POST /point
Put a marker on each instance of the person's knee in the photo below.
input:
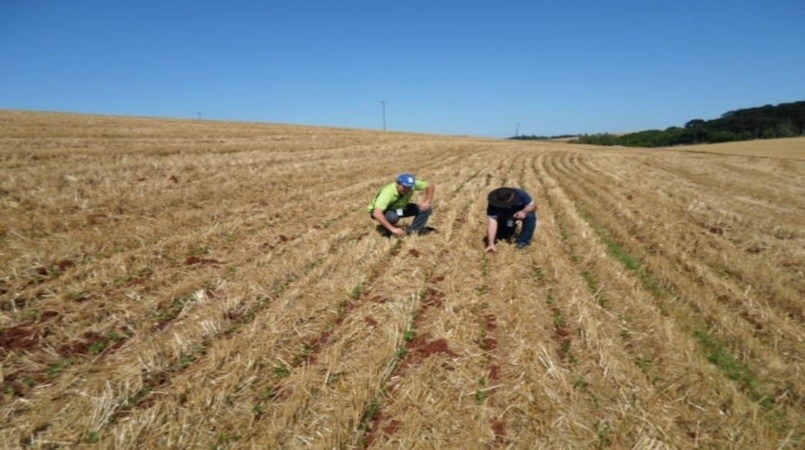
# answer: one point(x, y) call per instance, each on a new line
point(392, 217)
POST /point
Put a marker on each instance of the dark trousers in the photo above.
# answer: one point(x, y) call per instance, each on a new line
point(410, 210)
point(507, 232)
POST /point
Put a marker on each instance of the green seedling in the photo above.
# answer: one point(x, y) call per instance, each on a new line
point(282, 371)
point(97, 347)
point(356, 292)
point(57, 368)
point(409, 335)
point(93, 437)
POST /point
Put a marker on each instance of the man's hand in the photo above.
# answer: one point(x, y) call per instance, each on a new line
point(399, 232)
point(424, 206)
point(492, 249)
point(520, 215)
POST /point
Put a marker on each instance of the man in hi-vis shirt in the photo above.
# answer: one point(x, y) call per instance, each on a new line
point(393, 202)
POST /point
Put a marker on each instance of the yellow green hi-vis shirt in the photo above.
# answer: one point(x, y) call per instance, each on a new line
point(389, 198)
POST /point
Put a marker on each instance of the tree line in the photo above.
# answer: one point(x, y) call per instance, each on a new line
point(765, 122)
point(534, 137)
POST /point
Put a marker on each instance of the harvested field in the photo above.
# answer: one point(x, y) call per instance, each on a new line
point(789, 148)
point(196, 284)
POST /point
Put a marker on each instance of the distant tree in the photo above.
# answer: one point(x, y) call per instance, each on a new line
point(694, 124)
point(786, 128)
point(698, 130)
point(768, 121)
point(597, 139)
point(523, 137)
point(724, 136)
point(542, 138)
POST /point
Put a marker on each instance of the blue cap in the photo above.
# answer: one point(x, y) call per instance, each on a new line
point(406, 179)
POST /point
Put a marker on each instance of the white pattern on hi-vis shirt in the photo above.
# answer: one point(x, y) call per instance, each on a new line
point(399, 212)
point(510, 223)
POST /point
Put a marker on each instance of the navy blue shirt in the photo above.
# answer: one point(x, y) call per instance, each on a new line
point(523, 200)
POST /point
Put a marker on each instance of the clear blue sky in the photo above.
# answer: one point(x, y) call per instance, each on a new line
point(448, 67)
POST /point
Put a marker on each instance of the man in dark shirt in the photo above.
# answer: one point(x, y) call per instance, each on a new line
point(505, 207)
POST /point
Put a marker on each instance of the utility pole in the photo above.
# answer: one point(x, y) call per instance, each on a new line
point(383, 103)
point(517, 131)
point(199, 115)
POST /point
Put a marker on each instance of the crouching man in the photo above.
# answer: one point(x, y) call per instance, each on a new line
point(506, 207)
point(393, 202)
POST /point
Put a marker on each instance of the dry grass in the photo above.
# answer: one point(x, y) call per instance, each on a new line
point(189, 284)
point(789, 148)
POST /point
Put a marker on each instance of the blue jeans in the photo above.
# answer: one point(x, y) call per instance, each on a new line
point(410, 210)
point(527, 231)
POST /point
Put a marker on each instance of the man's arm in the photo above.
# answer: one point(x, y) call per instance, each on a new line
point(531, 207)
point(428, 201)
point(491, 232)
point(378, 214)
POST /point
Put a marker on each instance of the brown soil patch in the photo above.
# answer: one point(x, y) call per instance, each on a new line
point(193, 260)
point(499, 428)
point(561, 333)
point(563, 336)
point(81, 346)
point(318, 342)
point(21, 337)
point(435, 347)
point(381, 425)
point(48, 315)
point(494, 372)
point(489, 344)
point(490, 322)
point(420, 348)
point(65, 264)
point(315, 345)
point(433, 298)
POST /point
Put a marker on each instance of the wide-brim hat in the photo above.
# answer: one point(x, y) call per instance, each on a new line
point(502, 197)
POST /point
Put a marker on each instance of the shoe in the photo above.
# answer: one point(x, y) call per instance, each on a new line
point(428, 230)
point(522, 245)
point(422, 232)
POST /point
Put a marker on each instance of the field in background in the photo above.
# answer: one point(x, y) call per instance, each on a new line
point(790, 148)
point(189, 284)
